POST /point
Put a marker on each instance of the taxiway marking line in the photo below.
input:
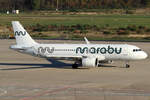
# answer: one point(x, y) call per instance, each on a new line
point(46, 92)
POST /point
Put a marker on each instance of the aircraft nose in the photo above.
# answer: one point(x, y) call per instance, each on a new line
point(145, 55)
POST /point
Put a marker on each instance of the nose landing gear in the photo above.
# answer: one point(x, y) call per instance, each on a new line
point(127, 66)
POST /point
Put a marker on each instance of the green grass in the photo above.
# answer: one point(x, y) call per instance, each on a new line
point(99, 20)
point(100, 39)
point(113, 21)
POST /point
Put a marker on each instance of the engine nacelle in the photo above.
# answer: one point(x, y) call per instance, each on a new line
point(89, 62)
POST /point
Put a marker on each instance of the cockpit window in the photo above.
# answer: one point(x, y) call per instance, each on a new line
point(136, 50)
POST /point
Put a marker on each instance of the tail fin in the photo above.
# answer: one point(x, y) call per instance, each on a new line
point(21, 35)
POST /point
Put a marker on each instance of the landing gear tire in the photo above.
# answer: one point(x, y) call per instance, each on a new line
point(74, 66)
point(127, 66)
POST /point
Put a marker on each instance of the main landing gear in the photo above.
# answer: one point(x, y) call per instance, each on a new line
point(75, 66)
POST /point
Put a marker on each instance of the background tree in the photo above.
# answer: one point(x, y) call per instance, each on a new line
point(72, 4)
point(36, 4)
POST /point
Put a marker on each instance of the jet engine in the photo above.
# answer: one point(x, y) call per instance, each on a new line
point(89, 62)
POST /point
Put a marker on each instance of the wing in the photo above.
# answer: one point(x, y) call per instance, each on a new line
point(86, 40)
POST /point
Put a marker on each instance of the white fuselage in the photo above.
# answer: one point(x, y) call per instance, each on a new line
point(104, 51)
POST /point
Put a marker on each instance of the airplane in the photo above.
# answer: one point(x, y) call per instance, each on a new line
point(86, 55)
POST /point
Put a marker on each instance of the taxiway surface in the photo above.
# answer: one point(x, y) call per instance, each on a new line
point(24, 77)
